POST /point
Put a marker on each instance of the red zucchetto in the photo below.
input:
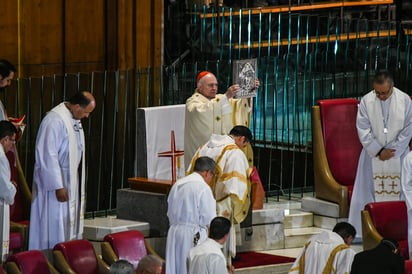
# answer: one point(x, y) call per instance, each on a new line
point(201, 75)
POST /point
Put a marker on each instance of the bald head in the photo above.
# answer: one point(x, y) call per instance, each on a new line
point(82, 104)
point(207, 85)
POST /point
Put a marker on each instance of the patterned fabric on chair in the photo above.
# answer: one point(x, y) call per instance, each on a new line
point(76, 256)
point(336, 150)
point(385, 220)
point(128, 245)
point(29, 262)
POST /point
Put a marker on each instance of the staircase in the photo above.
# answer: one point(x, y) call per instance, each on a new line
point(282, 228)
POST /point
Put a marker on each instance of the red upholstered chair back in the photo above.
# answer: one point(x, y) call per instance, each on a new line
point(342, 146)
point(128, 245)
point(391, 221)
point(30, 262)
point(408, 266)
point(16, 241)
point(80, 255)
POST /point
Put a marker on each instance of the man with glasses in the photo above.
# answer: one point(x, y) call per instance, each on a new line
point(191, 207)
point(208, 112)
point(384, 124)
point(7, 185)
point(231, 185)
point(58, 201)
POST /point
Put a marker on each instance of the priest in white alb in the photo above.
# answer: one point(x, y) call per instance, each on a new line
point(58, 200)
point(384, 124)
point(7, 186)
point(208, 112)
point(406, 183)
point(190, 209)
point(327, 252)
point(231, 185)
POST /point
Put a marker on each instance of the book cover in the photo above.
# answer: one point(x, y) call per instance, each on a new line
point(244, 74)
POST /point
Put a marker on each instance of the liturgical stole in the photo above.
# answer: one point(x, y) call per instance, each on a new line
point(386, 126)
point(75, 229)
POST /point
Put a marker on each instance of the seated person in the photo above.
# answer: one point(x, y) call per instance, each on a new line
point(121, 267)
point(149, 264)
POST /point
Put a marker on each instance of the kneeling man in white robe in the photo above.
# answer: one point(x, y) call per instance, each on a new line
point(327, 252)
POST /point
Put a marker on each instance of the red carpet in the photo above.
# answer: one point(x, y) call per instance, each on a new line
point(250, 259)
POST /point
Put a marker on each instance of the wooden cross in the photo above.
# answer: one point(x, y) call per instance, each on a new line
point(173, 154)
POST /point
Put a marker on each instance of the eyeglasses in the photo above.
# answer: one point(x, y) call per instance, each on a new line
point(211, 85)
point(12, 140)
point(383, 94)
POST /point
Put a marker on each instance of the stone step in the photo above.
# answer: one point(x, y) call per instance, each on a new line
point(266, 269)
point(297, 219)
point(297, 237)
point(327, 222)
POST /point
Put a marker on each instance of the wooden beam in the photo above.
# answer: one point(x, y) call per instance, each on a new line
point(294, 8)
point(320, 39)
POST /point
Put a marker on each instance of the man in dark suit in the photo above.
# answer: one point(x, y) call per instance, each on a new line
point(383, 259)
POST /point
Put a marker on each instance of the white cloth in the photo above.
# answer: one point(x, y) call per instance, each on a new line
point(159, 123)
point(59, 152)
point(7, 193)
point(406, 183)
point(324, 253)
point(191, 208)
point(207, 258)
point(396, 110)
point(3, 115)
point(387, 179)
point(205, 117)
point(231, 186)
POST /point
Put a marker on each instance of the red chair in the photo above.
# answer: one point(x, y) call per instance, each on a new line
point(385, 220)
point(129, 245)
point(77, 256)
point(16, 240)
point(29, 262)
point(408, 266)
point(336, 150)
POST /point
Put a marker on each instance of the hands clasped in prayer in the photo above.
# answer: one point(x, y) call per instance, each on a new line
point(386, 154)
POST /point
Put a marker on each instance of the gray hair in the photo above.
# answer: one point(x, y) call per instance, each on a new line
point(148, 263)
point(205, 163)
point(121, 267)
